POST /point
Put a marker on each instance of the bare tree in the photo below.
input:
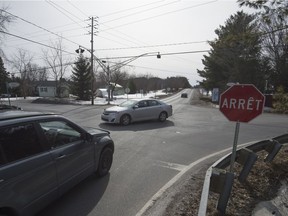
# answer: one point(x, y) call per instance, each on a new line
point(37, 73)
point(111, 77)
point(275, 49)
point(55, 61)
point(267, 9)
point(21, 63)
point(5, 19)
point(117, 77)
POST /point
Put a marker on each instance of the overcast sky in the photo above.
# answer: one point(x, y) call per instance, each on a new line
point(178, 29)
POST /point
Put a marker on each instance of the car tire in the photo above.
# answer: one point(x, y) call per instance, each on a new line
point(162, 116)
point(125, 120)
point(105, 162)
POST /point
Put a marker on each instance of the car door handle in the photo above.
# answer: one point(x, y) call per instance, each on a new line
point(61, 156)
point(1, 180)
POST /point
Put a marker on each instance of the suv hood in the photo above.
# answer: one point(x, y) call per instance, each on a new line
point(96, 131)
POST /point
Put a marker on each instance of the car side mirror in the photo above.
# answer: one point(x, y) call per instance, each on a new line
point(86, 136)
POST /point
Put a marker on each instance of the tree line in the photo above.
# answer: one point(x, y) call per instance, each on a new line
point(109, 77)
point(80, 82)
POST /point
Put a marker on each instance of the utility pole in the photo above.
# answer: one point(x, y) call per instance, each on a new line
point(92, 50)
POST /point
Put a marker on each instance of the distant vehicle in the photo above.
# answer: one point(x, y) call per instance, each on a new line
point(44, 155)
point(184, 95)
point(137, 110)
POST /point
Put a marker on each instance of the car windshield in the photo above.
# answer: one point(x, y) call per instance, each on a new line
point(127, 103)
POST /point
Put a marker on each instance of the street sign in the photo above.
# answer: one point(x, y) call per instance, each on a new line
point(241, 102)
point(215, 95)
point(13, 84)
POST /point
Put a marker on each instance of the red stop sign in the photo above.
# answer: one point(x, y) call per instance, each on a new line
point(241, 102)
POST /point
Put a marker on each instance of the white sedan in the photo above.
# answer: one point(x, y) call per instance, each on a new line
point(137, 110)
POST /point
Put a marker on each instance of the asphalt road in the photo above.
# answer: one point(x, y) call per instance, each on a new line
point(149, 154)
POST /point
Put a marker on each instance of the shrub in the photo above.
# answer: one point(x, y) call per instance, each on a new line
point(280, 100)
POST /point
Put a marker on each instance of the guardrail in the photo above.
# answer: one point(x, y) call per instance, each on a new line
point(220, 181)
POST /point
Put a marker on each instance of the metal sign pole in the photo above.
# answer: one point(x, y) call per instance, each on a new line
point(233, 156)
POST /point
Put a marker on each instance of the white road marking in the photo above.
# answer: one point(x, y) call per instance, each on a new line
point(178, 176)
point(178, 167)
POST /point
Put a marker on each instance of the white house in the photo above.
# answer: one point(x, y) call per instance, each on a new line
point(101, 92)
point(48, 89)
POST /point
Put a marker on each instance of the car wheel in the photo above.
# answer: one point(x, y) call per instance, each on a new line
point(162, 117)
point(105, 162)
point(125, 120)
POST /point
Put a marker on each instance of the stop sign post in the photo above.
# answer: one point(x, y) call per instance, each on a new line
point(241, 103)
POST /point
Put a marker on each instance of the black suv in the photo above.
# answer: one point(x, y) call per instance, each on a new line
point(44, 155)
point(184, 95)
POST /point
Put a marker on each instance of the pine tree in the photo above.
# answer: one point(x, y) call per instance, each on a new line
point(4, 75)
point(81, 79)
point(235, 55)
point(131, 86)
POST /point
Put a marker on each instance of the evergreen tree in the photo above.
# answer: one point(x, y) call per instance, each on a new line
point(4, 75)
point(235, 55)
point(131, 86)
point(81, 79)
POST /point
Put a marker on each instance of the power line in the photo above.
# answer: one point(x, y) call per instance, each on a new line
point(129, 9)
point(41, 33)
point(138, 12)
point(139, 47)
point(62, 36)
point(39, 43)
point(163, 14)
point(133, 40)
point(113, 14)
point(47, 68)
point(184, 52)
point(39, 26)
point(57, 6)
point(152, 46)
point(77, 8)
point(109, 15)
point(35, 42)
